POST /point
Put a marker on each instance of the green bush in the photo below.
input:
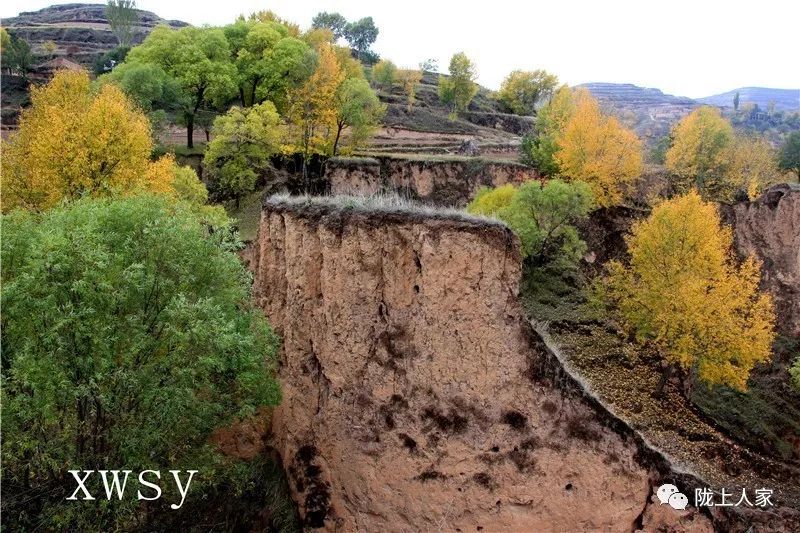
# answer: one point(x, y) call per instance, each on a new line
point(795, 373)
point(127, 338)
point(238, 156)
point(542, 216)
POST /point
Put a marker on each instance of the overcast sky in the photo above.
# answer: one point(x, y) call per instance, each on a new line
point(684, 47)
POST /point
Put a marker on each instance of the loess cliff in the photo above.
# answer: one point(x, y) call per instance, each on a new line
point(417, 396)
point(442, 181)
point(769, 227)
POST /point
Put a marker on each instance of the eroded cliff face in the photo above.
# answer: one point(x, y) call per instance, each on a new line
point(769, 227)
point(414, 397)
point(441, 182)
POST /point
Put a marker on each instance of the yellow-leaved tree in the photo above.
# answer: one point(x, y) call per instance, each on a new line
point(700, 154)
point(684, 294)
point(73, 142)
point(597, 149)
point(707, 155)
point(753, 165)
point(313, 108)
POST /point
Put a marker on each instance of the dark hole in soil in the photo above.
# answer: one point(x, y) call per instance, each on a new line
point(515, 419)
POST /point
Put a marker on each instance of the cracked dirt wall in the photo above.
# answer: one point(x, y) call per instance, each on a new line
point(412, 399)
point(450, 182)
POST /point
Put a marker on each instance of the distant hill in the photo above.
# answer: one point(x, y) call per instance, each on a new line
point(785, 99)
point(80, 31)
point(650, 112)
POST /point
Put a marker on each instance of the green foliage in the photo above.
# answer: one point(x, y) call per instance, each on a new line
point(521, 91)
point(107, 62)
point(658, 154)
point(244, 141)
point(122, 17)
point(789, 155)
point(334, 22)
point(794, 371)
point(199, 62)
point(358, 109)
point(269, 61)
point(460, 88)
point(489, 201)
point(539, 149)
point(188, 186)
point(361, 34)
point(384, 73)
point(736, 101)
point(542, 216)
point(127, 339)
point(16, 54)
point(148, 85)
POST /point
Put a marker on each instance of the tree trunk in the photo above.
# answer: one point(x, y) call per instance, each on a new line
point(190, 130)
point(665, 375)
point(339, 128)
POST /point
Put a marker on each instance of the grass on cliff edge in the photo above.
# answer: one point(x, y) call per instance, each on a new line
point(384, 203)
point(248, 214)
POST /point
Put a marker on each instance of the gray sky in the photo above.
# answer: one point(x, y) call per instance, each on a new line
point(685, 47)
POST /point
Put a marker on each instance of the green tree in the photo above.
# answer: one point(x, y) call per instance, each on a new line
point(122, 17)
point(127, 339)
point(244, 141)
point(16, 54)
point(358, 109)
point(268, 60)
point(521, 91)
point(458, 90)
point(110, 60)
point(543, 216)
point(789, 155)
point(384, 74)
point(334, 22)
point(736, 101)
point(361, 34)
point(198, 59)
point(539, 149)
point(148, 85)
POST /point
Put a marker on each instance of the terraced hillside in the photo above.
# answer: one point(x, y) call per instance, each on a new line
point(650, 112)
point(79, 31)
point(427, 128)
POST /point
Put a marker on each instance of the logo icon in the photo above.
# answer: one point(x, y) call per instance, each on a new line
point(670, 494)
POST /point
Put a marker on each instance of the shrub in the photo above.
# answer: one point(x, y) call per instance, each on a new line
point(489, 201)
point(244, 141)
point(127, 339)
point(384, 73)
point(795, 373)
point(542, 216)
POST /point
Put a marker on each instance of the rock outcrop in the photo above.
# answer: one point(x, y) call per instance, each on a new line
point(416, 395)
point(440, 181)
point(769, 227)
